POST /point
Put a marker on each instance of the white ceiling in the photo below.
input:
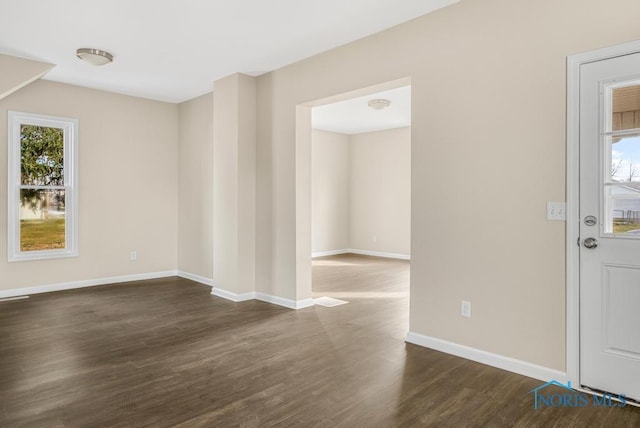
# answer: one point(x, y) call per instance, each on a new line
point(354, 116)
point(174, 50)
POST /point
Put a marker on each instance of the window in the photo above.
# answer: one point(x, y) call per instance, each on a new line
point(42, 187)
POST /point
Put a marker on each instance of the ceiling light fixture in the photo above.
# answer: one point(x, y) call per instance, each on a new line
point(94, 56)
point(379, 103)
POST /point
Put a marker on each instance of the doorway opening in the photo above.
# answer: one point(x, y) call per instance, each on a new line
point(360, 217)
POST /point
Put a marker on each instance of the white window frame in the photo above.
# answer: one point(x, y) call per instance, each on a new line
point(70, 131)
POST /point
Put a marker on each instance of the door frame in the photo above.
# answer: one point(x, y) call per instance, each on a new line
point(573, 198)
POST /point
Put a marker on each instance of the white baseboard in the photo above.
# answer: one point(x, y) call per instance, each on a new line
point(524, 368)
point(380, 254)
point(84, 283)
point(196, 278)
point(287, 303)
point(233, 296)
point(329, 253)
point(361, 252)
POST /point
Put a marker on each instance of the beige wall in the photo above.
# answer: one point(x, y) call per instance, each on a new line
point(19, 72)
point(361, 188)
point(480, 184)
point(380, 182)
point(234, 183)
point(195, 194)
point(128, 184)
point(330, 191)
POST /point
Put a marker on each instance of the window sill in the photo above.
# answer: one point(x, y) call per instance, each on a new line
point(41, 255)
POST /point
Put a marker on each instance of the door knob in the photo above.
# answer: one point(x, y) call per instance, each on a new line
point(590, 243)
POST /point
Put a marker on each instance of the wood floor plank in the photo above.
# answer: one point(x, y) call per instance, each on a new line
point(165, 352)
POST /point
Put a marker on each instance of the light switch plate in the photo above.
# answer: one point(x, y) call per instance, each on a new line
point(557, 211)
point(465, 309)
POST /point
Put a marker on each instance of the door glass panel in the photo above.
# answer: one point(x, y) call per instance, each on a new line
point(625, 158)
point(623, 216)
point(622, 187)
point(621, 210)
point(625, 112)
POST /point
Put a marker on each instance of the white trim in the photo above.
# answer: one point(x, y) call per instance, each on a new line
point(524, 368)
point(287, 303)
point(84, 283)
point(72, 285)
point(69, 127)
point(9, 299)
point(329, 253)
point(196, 278)
point(573, 222)
point(380, 254)
point(275, 300)
point(228, 295)
point(573, 197)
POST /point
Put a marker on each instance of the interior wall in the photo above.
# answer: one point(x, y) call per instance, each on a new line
point(380, 183)
point(19, 72)
point(195, 193)
point(234, 184)
point(128, 184)
point(480, 180)
point(361, 191)
point(330, 191)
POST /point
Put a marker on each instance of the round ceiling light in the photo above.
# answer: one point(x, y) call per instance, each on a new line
point(94, 56)
point(379, 103)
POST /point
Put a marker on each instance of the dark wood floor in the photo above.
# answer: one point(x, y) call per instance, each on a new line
point(167, 353)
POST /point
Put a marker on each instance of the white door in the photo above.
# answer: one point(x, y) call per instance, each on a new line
point(610, 225)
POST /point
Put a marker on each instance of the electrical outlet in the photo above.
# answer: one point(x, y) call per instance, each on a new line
point(465, 309)
point(133, 256)
point(374, 238)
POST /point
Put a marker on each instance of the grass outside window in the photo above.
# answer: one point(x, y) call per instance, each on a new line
point(37, 235)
